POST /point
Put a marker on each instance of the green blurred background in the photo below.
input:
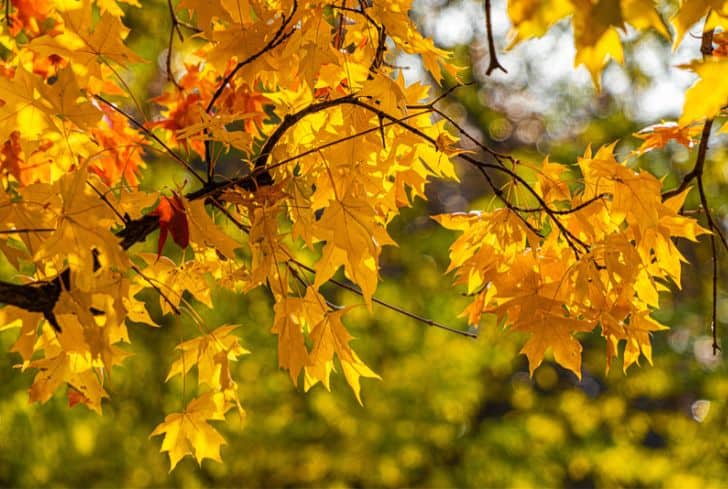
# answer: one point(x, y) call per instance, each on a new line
point(449, 411)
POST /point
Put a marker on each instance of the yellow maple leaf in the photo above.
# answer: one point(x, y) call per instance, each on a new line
point(174, 280)
point(210, 353)
point(385, 94)
point(67, 101)
point(21, 107)
point(555, 332)
point(203, 230)
point(83, 236)
point(532, 18)
point(550, 183)
point(189, 433)
point(205, 11)
point(393, 16)
point(84, 41)
point(595, 26)
point(691, 11)
point(330, 337)
point(354, 238)
point(638, 338)
point(707, 95)
point(291, 316)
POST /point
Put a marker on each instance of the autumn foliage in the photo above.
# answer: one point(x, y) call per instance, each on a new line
point(301, 143)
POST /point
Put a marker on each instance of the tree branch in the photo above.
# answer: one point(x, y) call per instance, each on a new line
point(494, 64)
point(697, 170)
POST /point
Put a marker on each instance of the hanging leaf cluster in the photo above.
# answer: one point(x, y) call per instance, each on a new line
point(301, 143)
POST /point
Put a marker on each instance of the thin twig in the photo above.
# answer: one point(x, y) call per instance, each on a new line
point(174, 28)
point(494, 64)
point(106, 200)
point(351, 288)
point(440, 97)
point(174, 308)
point(576, 208)
point(499, 157)
point(27, 230)
point(378, 59)
point(404, 312)
point(714, 262)
point(699, 162)
point(275, 41)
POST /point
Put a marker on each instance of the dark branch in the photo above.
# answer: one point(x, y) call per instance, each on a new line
point(494, 63)
point(699, 162)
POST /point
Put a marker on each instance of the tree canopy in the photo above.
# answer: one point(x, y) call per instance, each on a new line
point(298, 145)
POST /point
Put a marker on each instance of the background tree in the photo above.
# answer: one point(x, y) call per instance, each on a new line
point(326, 159)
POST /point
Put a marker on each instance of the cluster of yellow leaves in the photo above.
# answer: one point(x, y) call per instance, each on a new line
point(273, 70)
point(301, 99)
point(341, 174)
point(188, 432)
point(605, 252)
point(69, 228)
point(596, 26)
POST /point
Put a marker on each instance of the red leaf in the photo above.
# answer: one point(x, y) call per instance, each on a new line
point(172, 218)
point(75, 397)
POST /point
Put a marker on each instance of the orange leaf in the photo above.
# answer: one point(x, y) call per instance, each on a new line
point(658, 135)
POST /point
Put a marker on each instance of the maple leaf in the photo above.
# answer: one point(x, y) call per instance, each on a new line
point(189, 433)
point(707, 95)
point(658, 135)
point(172, 218)
point(330, 337)
point(68, 102)
point(83, 236)
point(84, 41)
point(532, 18)
point(691, 11)
point(555, 332)
point(354, 239)
point(290, 318)
point(174, 280)
point(60, 368)
point(22, 107)
point(393, 16)
point(204, 231)
point(28, 323)
point(210, 353)
point(205, 12)
point(638, 338)
point(385, 94)
point(596, 24)
point(550, 182)
point(122, 158)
